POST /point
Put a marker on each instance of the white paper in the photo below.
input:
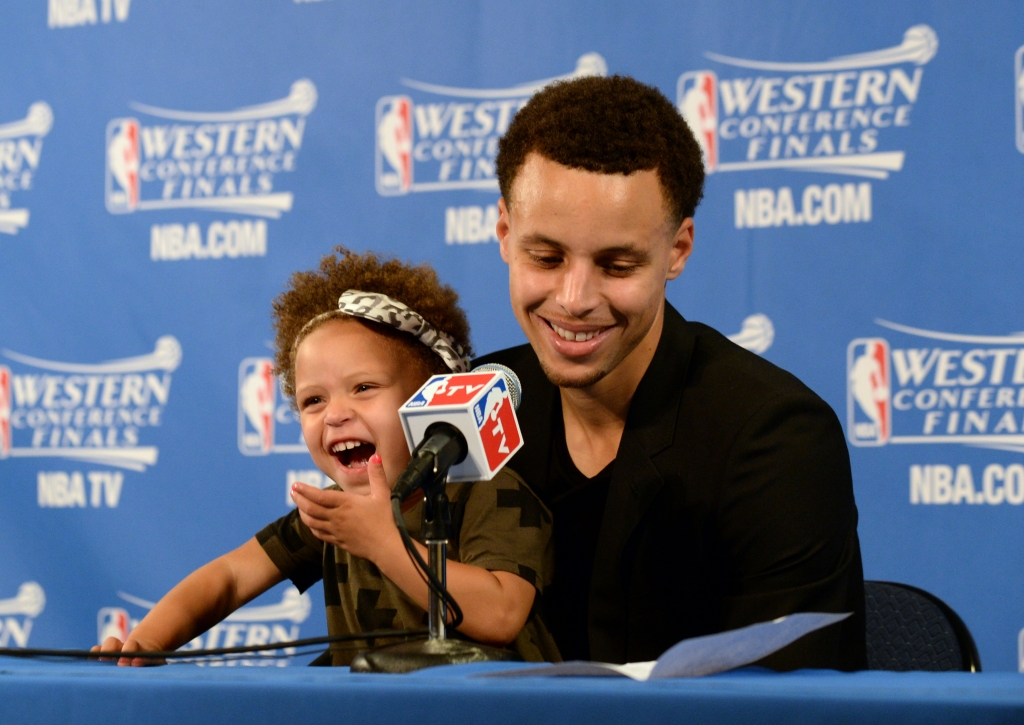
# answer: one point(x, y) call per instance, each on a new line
point(637, 670)
point(714, 653)
point(698, 656)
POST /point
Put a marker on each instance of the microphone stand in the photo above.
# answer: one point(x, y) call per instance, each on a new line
point(437, 649)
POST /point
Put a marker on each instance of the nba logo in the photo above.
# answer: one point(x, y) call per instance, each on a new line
point(868, 399)
point(112, 622)
point(498, 426)
point(122, 165)
point(697, 97)
point(394, 145)
point(5, 411)
point(257, 401)
point(425, 395)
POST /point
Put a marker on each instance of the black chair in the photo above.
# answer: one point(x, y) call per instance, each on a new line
point(910, 629)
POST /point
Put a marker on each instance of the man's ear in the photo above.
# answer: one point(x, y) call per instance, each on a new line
point(502, 228)
point(682, 245)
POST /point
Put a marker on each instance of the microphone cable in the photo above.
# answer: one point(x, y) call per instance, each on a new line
point(85, 654)
point(451, 606)
point(435, 463)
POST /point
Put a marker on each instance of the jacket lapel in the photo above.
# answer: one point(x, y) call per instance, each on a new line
point(650, 428)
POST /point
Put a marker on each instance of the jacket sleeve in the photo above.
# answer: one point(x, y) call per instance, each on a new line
point(787, 523)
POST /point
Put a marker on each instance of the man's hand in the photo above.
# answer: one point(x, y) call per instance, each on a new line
point(361, 525)
point(113, 644)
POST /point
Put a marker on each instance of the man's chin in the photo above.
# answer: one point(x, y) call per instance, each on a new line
point(583, 377)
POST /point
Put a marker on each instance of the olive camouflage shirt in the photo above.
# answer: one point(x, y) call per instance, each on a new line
point(498, 525)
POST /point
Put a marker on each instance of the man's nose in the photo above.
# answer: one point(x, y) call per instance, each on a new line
point(578, 293)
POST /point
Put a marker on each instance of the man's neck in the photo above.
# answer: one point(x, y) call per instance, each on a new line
point(595, 416)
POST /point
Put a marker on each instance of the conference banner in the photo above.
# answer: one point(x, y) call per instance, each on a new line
point(166, 166)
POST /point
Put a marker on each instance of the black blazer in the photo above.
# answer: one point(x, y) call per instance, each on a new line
point(731, 503)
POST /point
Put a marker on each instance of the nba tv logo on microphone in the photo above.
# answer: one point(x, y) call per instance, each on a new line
point(497, 424)
point(479, 405)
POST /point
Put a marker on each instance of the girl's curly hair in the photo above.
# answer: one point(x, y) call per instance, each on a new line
point(312, 293)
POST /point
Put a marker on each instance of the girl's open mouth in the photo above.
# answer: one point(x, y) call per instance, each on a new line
point(353, 454)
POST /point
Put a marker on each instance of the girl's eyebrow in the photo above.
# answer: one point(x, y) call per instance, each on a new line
point(378, 376)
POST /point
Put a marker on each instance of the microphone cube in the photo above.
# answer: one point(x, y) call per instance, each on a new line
point(479, 406)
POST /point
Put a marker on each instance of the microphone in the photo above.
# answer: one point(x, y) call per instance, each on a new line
point(466, 425)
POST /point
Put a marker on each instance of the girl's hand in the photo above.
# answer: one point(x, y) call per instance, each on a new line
point(361, 525)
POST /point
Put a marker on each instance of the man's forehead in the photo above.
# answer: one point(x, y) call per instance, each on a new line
point(589, 213)
point(547, 186)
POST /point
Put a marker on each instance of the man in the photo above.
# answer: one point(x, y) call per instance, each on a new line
point(696, 488)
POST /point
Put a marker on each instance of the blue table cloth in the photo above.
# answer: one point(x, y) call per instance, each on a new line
point(90, 692)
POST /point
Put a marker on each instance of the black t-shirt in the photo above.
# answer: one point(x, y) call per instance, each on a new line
point(577, 505)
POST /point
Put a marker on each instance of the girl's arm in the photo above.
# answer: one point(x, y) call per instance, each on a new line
point(199, 601)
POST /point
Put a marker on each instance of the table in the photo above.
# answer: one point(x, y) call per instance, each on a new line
point(34, 691)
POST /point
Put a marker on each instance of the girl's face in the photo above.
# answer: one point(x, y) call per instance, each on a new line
point(349, 384)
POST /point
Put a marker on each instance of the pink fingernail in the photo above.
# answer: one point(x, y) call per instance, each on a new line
point(375, 458)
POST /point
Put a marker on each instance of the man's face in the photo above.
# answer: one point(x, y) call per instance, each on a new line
point(349, 384)
point(589, 255)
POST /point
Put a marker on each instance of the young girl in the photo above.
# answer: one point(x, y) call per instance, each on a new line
point(348, 365)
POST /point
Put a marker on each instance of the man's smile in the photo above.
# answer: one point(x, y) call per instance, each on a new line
point(574, 339)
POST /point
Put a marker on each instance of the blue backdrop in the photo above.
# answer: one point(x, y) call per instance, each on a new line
point(164, 166)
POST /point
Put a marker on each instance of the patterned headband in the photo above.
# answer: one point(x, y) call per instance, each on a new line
point(380, 308)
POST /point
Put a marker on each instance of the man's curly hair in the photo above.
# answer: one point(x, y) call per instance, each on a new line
point(614, 125)
point(312, 293)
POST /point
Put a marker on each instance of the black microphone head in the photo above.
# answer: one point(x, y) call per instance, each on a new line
point(515, 388)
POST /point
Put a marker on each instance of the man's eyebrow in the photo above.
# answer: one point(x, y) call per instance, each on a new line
point(541, 239)
point(628, 249)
